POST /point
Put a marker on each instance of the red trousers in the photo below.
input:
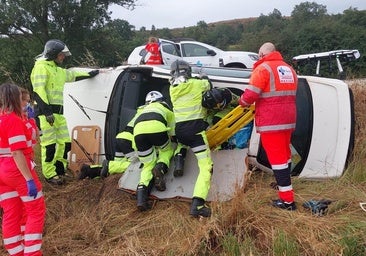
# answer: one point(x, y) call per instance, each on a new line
point(23, 216)
point(277, 147)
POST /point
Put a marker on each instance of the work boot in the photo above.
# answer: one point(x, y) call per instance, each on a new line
point(159, 171)
point(83, 172)
point(278, 203)
point(178, 165)
point(55, 180)
point(142, 196)
point(86, 171)
point(60, 168)
point(198, 208)
point(104, 172)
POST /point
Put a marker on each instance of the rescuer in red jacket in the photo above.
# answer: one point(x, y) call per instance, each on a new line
point(272, 87)
point(153, 56)
point(21, 194)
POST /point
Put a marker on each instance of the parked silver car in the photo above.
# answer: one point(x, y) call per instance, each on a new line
point(197, 53)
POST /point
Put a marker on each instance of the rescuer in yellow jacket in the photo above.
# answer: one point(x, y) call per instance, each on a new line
point(48, 80)
point(152, 131)
point(190, 128)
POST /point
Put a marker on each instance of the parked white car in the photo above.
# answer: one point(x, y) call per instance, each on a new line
point(197, 53)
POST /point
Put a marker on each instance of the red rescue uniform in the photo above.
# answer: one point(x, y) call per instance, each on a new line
point(23, 217)
point(155, 56)
point(272, 87)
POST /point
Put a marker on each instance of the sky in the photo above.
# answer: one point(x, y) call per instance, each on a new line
point(185, 13)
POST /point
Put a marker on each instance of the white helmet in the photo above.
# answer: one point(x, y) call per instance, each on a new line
point(153, 96)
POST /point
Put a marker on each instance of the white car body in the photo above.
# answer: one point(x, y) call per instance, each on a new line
point(197, 53)
point(321, 143)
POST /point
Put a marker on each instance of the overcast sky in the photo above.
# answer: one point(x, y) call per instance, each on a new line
point(185, 13)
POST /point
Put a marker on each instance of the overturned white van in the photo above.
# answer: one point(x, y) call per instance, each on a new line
point(321, 143)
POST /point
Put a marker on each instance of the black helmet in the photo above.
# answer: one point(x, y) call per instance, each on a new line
point(227, 95)
point(180, 68)
point(216, 98)
point(53, 47)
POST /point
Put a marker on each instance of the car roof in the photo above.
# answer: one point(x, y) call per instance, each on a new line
point(179, 39)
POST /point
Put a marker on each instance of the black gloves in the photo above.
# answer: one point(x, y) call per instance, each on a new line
point(93, 73)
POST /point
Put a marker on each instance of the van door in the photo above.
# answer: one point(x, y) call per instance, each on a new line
point(128, 94)
point(169, 52)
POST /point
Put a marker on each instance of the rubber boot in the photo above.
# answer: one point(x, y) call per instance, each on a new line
point(178, 165)
point(142, 195)
point(159, 171)
point(198, 208)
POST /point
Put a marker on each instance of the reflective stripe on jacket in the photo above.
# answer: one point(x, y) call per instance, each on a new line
point(272, 87)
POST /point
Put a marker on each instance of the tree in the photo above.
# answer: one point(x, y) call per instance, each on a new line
point(30, 23)
point(49, 17)
point(308, 11)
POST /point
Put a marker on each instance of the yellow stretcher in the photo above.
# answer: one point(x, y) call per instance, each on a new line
point(229, 125)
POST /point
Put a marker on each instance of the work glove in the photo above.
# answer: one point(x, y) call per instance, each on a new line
point(93, 73)
point(50, 119)
point(318, 208)
point(30, 112)
point(32, 189)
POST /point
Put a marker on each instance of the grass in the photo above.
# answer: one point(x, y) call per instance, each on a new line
point(92, 217)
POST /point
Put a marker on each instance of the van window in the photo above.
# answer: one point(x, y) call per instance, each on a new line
point(170, 49)
point(194, 50)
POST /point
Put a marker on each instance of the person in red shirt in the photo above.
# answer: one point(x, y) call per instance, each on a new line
point(272, 86)
point(153, 55)
point(21, 194)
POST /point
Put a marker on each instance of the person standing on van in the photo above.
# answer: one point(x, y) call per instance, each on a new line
point(153, 55)
point(21, 196)
point(48, 81)
point(152, 130)
point(272, 87)
point(190, 128)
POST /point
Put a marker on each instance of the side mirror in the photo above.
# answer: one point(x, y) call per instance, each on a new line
point(211, 52)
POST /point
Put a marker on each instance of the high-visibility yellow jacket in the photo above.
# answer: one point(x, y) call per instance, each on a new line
point(153, 115)
point(186, 98)
point(48, 82)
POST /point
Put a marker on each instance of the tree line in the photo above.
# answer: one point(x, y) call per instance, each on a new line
point(98, 41)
